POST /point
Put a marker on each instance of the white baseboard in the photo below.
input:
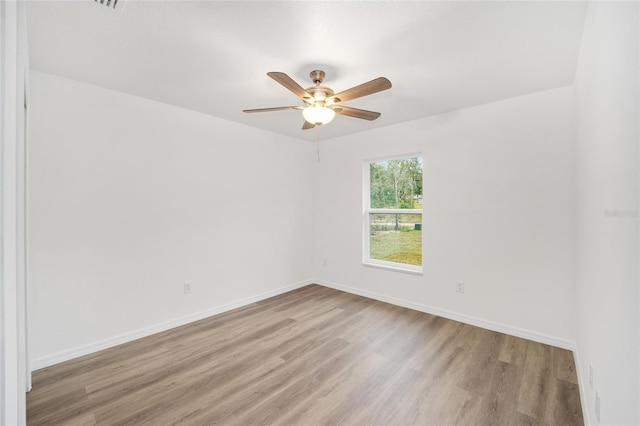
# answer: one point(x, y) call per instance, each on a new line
point(467, 319)
point(66, 355)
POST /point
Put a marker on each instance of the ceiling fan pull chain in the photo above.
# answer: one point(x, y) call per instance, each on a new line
point(318, 141)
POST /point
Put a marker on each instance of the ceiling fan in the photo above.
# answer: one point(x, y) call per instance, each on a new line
point(321, 104)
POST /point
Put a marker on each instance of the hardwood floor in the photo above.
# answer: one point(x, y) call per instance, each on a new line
point(309, 357)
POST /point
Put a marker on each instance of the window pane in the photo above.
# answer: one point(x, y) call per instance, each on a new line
point(396, 184)
point(396, 238)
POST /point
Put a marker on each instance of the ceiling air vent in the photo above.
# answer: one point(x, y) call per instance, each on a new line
point(111, 4)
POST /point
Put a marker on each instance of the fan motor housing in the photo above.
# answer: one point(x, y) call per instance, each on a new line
point(319, 93)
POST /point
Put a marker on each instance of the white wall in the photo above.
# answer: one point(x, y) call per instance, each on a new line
point(607, 298)
point(129, 198)
point(498, 206)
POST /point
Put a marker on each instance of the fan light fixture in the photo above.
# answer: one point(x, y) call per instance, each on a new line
point(318, 114)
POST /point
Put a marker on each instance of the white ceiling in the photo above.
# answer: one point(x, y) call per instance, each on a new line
point(212, 56)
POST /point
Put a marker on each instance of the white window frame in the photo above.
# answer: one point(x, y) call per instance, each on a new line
point(367, 211)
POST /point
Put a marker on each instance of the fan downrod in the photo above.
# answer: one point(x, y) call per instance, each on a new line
point(317, 76)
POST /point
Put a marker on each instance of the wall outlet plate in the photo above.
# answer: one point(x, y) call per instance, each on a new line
point(460, 287)
point(187, 287)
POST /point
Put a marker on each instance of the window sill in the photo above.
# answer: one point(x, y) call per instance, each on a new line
point(392, 267)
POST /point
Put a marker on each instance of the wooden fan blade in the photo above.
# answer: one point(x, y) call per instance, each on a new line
point(374, 86)
point(290, 84)
point(307, 125)
point(357, 113)
point(272, 109)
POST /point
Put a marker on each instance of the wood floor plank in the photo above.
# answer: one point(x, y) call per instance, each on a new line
point(274, 383)
point(563, 365)
point(389, 399)
point(513, 350)
point(314, 356)
point(500, 395)
point(336, 390)
point(363, 396)
point(302, 390)
point(74, 402)
point(441, 344)
point(483, 367)
point(566, 405)
point(225, 394)
point(535, 382)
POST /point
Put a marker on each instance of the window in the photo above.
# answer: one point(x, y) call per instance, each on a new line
point(393, 213)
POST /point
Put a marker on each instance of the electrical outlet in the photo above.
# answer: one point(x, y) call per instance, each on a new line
point(591, 376)
point(460, 287)
point(597, 407)
point(187, 287)
point(325, 262)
